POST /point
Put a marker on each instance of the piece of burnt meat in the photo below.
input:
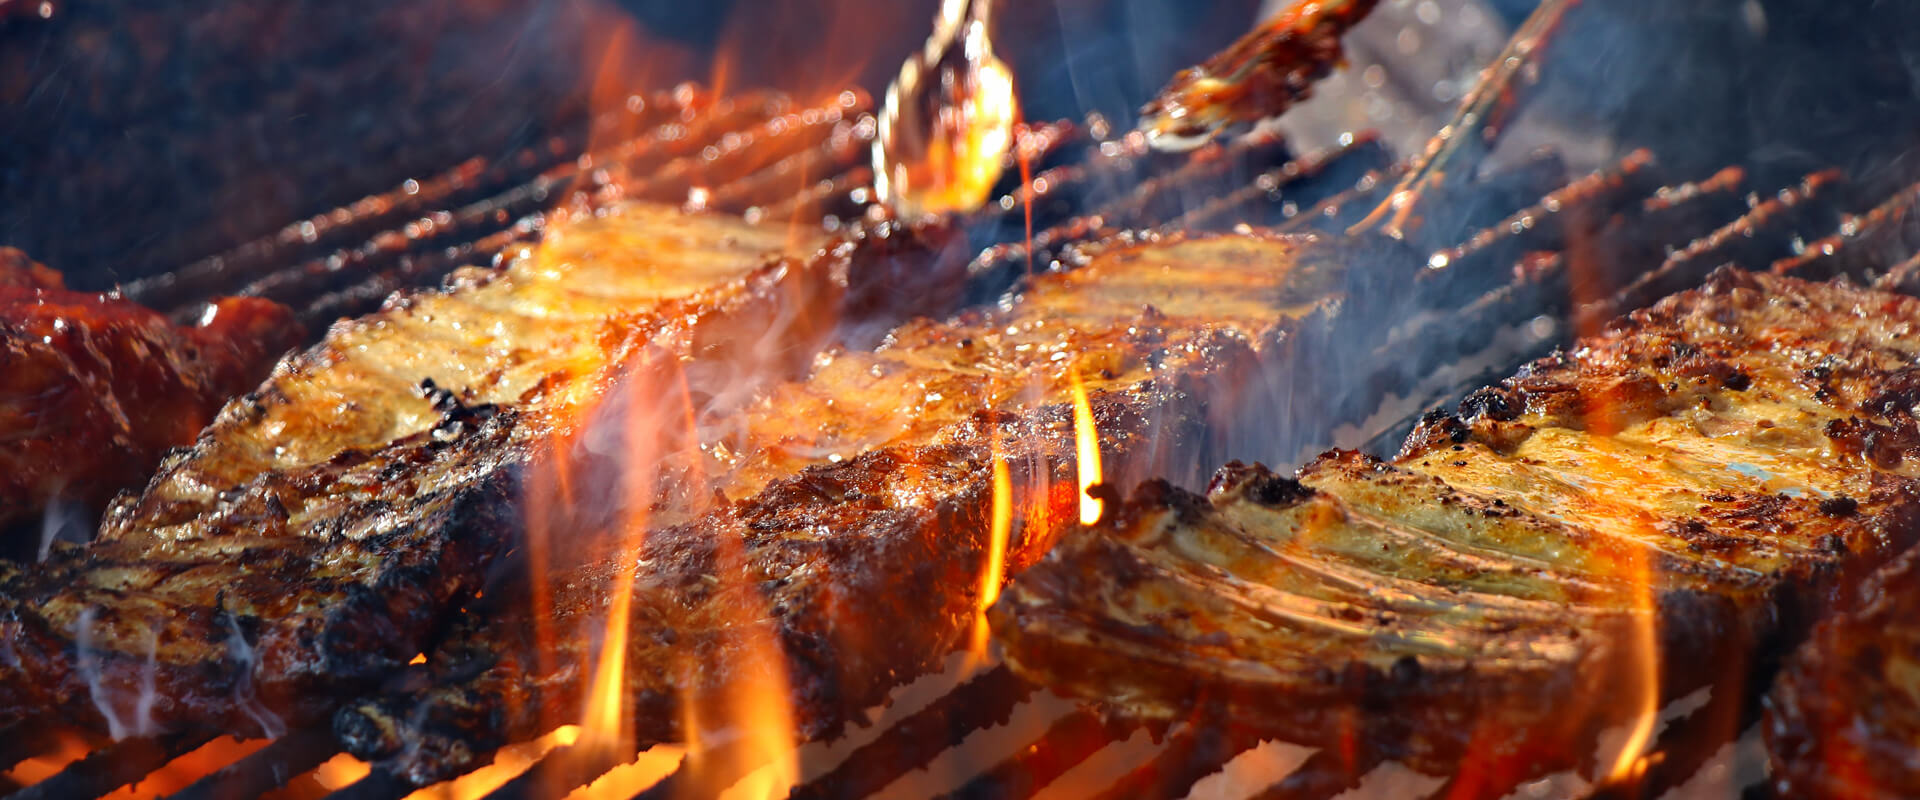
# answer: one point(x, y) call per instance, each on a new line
point(1651, 512)
point(1842, 720)
point(855, 501)
point(320, 527)
point(94, 388)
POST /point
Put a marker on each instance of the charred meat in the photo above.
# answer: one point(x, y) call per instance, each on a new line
point(862, 494)
point(1615, 526)
point(94, 389)
point(323, 524)
point(1842, 720)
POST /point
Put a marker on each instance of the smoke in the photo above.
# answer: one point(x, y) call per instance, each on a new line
point(127, 710)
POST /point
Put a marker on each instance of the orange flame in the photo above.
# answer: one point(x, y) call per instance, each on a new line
point(758, 710)
point(1087, 440)
point(1634, 562)
point(1000, 526)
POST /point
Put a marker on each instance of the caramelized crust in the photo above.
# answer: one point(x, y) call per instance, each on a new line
point(93, 388)
point(1675, 487)
point(322, 526)
point(864, 492)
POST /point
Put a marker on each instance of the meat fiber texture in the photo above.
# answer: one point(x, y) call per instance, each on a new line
point(324, 523)
point(1612, 528)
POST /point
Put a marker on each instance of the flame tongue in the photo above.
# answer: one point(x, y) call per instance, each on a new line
point(1087, 441)
point(948, 120)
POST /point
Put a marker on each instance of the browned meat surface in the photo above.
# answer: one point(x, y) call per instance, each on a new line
point(1843, 720)
point(1665, 500)
point(93, 388)
point(862, 497)
point(323, 524)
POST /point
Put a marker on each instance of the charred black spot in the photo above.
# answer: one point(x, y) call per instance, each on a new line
point(1277, 491)
point(1406, 670)
point(1842, 506)
point(1896, 393)
point(1492, 402)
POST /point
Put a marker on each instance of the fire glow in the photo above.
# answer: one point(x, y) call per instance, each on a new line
point(1087, 442)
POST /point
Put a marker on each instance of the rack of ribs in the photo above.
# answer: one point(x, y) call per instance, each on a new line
point(1647, 513)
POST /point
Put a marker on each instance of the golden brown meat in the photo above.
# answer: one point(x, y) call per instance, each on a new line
point(323, 524)
point(1662, 502)
point(861, 500)
point(93, 388)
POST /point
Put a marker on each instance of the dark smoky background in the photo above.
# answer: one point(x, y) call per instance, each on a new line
point(139, 136)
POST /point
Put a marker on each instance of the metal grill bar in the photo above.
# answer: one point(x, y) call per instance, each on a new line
point(1756, 237)
point(265, 769)
point(112, 767)
point(982, 702)
point(1325, 774)
point(1071, 740)
point(1863, 244)
point(1192, 752)
point(363, 219)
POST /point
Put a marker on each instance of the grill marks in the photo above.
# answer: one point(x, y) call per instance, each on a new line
point(324, 523)
point(1488, 578)
point(823, 552)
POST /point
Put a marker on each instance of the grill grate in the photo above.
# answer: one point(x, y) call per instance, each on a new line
point(769, 158)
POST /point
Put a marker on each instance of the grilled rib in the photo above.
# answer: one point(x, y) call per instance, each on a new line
point(323, 523)
point(93, 388)
point(1681, 487)
point(862, 496)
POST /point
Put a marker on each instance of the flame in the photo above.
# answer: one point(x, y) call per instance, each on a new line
point(1640, 670)
point(757, 710)
point(1087, 441)
point(1000, 525)
point(606, 715)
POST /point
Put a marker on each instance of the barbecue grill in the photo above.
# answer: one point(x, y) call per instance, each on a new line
point(1646, 226)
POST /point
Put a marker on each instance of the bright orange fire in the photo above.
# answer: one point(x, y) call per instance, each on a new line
point(758, 710)
point(1087, 440)
point(1000, 526)
point(1640, 665)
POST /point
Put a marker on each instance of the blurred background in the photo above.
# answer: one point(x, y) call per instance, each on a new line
point(139, 136)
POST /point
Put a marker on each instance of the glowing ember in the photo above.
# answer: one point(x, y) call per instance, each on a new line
point(343, 770)
point(630, 779)
point(70, 748)
point(948, 120)
point(1087, 439)
point(340, 772)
